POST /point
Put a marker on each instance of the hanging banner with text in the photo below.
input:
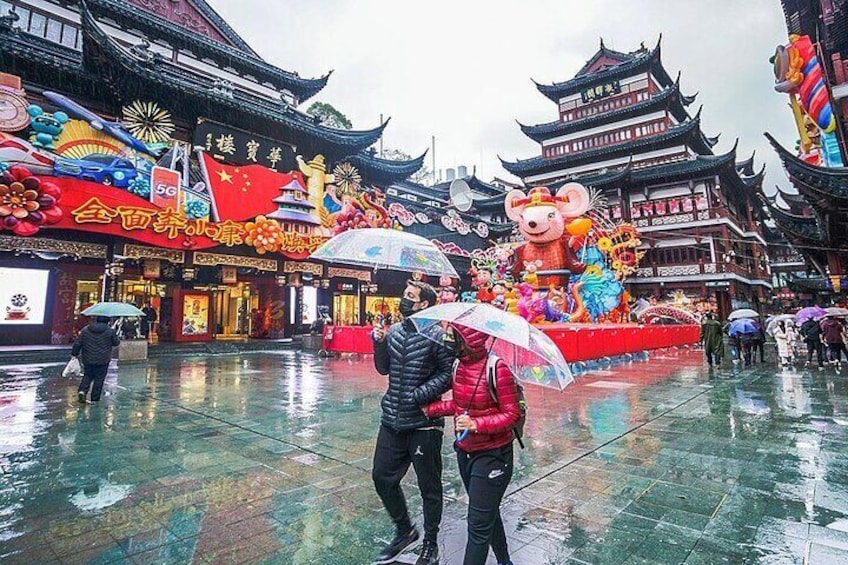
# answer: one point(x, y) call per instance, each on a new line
point(237, 147)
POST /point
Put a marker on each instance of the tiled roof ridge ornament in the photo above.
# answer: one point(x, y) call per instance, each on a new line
point(8, 20)
point(143, 52)
point(222, 87)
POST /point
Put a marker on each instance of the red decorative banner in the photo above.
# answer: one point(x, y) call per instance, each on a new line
point(93, 207)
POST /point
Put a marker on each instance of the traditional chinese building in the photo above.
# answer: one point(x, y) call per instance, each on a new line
point(160, 142)
point(812, 217)
point(624, 128)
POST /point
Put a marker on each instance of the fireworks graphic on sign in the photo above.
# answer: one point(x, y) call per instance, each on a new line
point(348, 179)
point(148, 122)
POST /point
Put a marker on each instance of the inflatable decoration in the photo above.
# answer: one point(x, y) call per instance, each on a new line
point(543, 219)
point(656, 314)
point(572, 264)
point(447, 290)
point(797, 72)
point(27, 202)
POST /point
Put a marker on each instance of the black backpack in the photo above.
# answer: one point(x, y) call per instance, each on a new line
point(491, 366)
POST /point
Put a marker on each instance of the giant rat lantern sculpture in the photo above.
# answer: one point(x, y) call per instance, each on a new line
point(552, 228)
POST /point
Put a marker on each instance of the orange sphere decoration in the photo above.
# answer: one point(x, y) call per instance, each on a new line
point(264, 235)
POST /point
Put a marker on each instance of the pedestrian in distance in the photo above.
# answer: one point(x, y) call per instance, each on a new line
point(150, 318)
point(712, 339)
point(784, 345)
point(94, 346)
point(484, 454)
point(811, 332)
point(831, 330)
point(759, 343)
point(419, 371)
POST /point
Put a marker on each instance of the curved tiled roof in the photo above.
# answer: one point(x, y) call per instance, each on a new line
point(156, 70)
point(248, 62)
point(384, 172)
point(642, 60)
point(688, 132)
point(669, 98)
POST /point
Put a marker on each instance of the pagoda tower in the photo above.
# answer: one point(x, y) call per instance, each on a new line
point(624, 128)
point(294, 211)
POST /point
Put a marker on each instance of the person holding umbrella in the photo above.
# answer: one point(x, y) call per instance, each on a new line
point(95, 343)
point(495, 348)
point(484, 454)
point(811, 332)
point(419, 371)
point(831, 331)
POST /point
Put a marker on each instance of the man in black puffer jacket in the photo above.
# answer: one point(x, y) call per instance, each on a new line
point(419, 372)
point(95, 342)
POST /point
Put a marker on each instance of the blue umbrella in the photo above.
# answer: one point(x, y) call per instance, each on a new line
point(743, 326)
point(113, 310)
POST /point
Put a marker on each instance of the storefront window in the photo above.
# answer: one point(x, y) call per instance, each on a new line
point(88, 293)
point(382, 309)
point(346, 310)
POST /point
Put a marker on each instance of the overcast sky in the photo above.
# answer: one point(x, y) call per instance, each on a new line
point(461, 70)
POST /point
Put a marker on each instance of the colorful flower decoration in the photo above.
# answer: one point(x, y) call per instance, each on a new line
point(26, 202)
point(264, 234)
point(196, 209)
point(140, 186)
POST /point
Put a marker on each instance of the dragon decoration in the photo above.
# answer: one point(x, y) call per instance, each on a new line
point(576, 276)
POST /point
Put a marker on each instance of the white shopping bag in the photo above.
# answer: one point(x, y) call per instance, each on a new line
point(73, 368)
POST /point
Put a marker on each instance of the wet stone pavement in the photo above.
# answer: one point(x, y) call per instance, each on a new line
point(265, 458)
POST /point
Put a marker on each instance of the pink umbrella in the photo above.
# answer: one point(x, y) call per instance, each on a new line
point(809, 313)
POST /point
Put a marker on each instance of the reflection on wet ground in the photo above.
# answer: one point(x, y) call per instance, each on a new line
point(265, 458)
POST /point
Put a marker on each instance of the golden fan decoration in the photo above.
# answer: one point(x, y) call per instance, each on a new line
point(348, 180)
point(78, 140)
point(148, 122)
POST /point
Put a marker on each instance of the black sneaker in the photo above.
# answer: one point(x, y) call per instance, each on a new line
point(398, 545)
point(429, 554)
point(81, 397)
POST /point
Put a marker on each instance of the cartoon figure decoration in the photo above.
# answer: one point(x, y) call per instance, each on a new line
point(447, 290)
point(543, 220)
point(531, 276)
point(797, 72)
point(481, 271)
point(573, 262)
point(499, 291)
point(46, 127)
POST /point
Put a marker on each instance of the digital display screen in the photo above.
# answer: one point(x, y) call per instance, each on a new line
point(23, 296)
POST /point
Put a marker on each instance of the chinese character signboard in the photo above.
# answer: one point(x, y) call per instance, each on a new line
point(600, 91)
point(229, 275)
point(241, 148)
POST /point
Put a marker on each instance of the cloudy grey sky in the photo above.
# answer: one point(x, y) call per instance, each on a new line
point(461, 70)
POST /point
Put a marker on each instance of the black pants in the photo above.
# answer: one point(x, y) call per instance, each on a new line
point(836, 350)
point(815, 347)
point(759, 346)
point(394, 453)
point(714, 354)
point(485, 474)
point(95, 374)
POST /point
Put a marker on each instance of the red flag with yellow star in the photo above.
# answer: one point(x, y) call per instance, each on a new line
point(243, 192)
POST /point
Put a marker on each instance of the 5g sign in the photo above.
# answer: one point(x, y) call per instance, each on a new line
point(165, 188)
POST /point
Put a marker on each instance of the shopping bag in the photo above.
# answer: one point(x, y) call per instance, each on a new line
point(73, 368)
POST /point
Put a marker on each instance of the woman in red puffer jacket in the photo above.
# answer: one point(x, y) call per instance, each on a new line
point(485, 455)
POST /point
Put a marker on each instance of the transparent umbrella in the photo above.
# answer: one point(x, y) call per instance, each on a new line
point(743, 313)
point(386, 249)
point(530, 354)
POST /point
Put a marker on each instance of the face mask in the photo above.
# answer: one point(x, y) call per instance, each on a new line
point(407, 307)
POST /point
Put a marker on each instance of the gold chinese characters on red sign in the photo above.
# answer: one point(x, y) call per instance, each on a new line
point(174, 225)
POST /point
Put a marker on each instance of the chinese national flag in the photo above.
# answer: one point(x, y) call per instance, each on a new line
point(241, 193)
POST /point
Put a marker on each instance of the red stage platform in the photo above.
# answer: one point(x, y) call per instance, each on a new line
point(578, 342)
